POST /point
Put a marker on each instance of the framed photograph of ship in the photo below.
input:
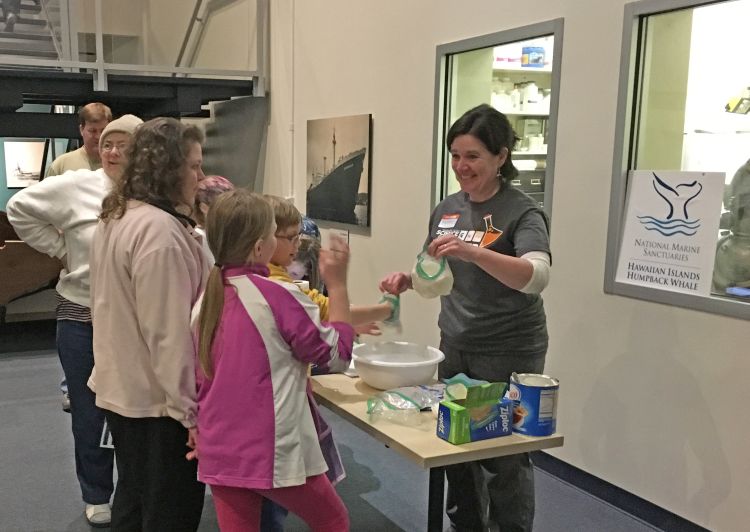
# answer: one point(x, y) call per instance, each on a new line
point(338, 169)
point(23, 162)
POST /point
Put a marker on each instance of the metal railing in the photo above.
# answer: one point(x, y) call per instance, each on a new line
point(62, 19)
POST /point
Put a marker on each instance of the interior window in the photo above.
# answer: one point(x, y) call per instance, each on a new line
point(687, 110)
point(517, 77)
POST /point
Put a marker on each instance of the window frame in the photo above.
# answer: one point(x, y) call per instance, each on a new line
point(635, 17)
point(440, 128)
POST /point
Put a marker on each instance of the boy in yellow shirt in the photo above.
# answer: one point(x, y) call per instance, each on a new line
point(288, 226)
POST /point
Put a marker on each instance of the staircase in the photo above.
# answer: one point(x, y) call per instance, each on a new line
point(31, 36)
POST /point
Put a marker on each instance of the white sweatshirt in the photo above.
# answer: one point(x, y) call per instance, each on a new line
point(58, 216)
point(147, 271)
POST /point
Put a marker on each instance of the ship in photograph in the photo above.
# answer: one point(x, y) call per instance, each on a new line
point(338, 190)
point(333, 195)
point(25, 176)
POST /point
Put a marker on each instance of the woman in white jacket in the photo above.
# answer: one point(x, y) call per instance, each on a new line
point(58, 217)
point(147, 271)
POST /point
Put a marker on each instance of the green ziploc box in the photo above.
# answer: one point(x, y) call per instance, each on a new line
point(483, 414)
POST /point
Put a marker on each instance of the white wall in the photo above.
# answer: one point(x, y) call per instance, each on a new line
point(653, 397)
point(281, 87)
point(229, 39)
point(165, 23)
point(118, 18)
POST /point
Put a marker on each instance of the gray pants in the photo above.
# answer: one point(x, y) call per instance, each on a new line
point(497, 491)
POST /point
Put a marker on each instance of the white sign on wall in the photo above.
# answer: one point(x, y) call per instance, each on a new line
point(671, 229)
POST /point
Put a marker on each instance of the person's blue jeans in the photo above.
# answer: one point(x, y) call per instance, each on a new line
point(93, 463)
point(272, 516)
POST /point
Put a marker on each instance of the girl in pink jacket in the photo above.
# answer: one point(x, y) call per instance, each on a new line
point(256, 337)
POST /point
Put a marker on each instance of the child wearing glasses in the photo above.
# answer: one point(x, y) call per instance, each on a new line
point(288, 234)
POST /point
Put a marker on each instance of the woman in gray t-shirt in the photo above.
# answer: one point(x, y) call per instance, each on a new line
point(496, 240)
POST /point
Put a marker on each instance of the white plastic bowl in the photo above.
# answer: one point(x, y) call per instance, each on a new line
point(387, 365)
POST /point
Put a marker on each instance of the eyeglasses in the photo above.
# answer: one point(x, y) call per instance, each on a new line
point(121, 147)
point(292, 239)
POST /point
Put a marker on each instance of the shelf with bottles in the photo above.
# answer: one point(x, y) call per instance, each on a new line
point(517, 96)
point(537, 164)
point(532, 133)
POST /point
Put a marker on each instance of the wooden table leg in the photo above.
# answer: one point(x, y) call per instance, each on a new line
point(435, 500)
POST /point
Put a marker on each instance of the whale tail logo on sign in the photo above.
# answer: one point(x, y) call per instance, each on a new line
point(677, 199)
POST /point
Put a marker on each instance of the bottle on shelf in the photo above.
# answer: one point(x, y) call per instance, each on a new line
point(505, 85)
point(501, 101)
point(530, 98)
point(515, 100)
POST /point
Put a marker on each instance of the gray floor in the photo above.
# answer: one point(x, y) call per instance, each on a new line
point(383, 491)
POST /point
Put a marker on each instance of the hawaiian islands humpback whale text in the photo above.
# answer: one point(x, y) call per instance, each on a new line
point(664, 274)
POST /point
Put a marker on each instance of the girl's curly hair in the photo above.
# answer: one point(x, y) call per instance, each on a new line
point(153, 173)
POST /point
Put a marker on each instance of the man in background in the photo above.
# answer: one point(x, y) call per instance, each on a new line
point(92, 119)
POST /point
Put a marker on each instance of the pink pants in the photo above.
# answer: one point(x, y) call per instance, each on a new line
point(316, 502)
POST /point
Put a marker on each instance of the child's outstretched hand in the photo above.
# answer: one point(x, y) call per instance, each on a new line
point(334, 263)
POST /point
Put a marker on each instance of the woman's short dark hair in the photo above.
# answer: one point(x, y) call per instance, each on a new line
point(493, 129)
point(153, 173)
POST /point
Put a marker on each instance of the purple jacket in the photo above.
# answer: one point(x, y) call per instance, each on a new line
point(256, 428)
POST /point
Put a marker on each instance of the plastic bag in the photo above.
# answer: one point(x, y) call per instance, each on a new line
point(431, 277)
point(403, 405)
point(455, 387)
point(392, 322)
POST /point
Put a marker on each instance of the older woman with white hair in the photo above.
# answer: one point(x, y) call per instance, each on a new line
point(58, 217)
